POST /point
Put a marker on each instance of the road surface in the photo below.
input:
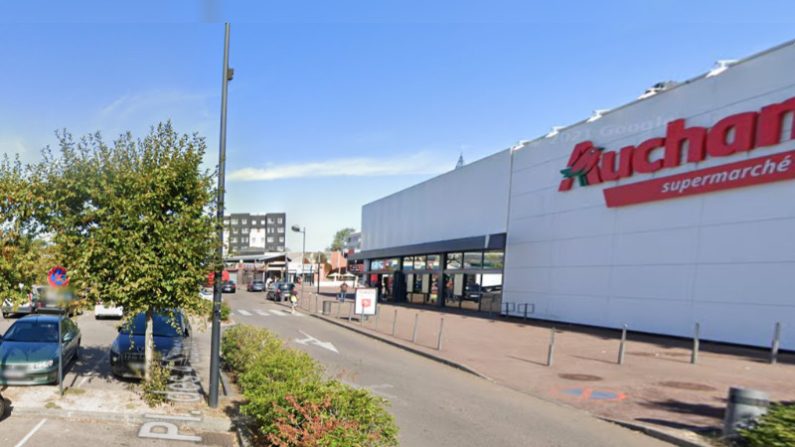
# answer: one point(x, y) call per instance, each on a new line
point(434, 405)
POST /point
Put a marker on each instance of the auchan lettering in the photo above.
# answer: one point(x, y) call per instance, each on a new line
point(741, 132)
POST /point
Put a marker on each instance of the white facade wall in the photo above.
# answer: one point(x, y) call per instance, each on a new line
point(466, 202)
point(725, 259)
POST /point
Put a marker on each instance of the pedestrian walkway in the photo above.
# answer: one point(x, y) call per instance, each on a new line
point(656, 384)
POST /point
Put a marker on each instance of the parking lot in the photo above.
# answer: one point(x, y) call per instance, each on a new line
point(108, 410)
point(92, 370)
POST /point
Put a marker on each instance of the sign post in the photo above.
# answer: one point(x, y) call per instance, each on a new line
point(60, 358)
point(365, 303)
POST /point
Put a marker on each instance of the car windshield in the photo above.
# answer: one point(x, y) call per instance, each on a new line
point(33, 331)
point(258, 283)
point(162, 326)
point(285, 286)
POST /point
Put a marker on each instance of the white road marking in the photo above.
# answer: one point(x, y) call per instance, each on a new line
point(83, 381)
point(31, 433)
point(280, 313)
point(312, 340)
point(264, 313)
point(244, 312)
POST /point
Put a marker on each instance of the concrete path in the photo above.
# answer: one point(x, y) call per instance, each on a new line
point(656, 386)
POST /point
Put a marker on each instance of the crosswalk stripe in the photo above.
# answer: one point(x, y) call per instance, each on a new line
point(264, 313)
point(280, 313)
point(243, 312)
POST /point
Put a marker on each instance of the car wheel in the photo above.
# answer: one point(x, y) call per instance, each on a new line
point(3, 407)
point(5, 315)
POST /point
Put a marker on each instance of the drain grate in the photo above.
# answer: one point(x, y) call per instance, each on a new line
point(689, 386)
point(580, 377)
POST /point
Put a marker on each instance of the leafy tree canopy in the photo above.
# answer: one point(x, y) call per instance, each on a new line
point(339, 239)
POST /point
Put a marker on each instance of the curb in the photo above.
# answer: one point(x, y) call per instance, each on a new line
point(404, 347)
point(207, 423)
point(663, 435)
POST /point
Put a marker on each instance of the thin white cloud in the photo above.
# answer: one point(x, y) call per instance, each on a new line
point(152, 101)
point(422, 163)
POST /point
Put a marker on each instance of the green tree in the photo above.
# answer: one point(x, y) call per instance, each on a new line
point(22, 260)
point(133, 220)
point(339, 239)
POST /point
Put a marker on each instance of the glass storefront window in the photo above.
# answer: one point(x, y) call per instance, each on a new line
point(455, 260)
point(408, 263)
point(491, 285)
point(389, 265)
point(433, 262)
point(493, 260)
point(419, 263)
point(473, 260)
point(392, 264)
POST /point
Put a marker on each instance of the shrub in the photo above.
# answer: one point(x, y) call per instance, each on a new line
point(290, 402)
point(225, 311)
point(774, 429)
point(241, 345)
point(332, 414)
point(206, 309)
point(154, 389)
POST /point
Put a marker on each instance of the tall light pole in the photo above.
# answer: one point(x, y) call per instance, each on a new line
point(298, 229)
point(215, 347)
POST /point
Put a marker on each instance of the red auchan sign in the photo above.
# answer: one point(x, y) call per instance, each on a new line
point(742, 132)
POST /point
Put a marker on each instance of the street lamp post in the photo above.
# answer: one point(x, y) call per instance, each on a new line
point(215, 346)
point(298, 229)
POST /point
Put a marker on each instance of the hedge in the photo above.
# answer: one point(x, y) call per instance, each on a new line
point(774, 429)
point(290, 403)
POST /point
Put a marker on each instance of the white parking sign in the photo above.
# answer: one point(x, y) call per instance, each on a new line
point(365, 301)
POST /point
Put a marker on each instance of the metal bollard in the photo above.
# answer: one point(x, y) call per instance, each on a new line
point(317, 309)
point(696, 344)
point(414, 332)
point(439, 338)
point(350, 313)
point(622, 345)
point(743, 405)
point(394, 323)
point(776, 344)
point(551, 350)
point(525, 310)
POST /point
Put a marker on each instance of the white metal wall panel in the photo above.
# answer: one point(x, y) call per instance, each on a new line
point(466, 202)
point(725, 259)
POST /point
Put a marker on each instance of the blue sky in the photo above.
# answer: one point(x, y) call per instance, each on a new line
point(335, 104)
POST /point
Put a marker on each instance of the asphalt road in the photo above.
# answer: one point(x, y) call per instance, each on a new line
point(435, 405)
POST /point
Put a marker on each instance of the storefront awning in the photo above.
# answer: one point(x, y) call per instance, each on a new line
point(487, 242)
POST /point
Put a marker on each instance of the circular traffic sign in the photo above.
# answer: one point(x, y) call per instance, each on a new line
point(57, 277)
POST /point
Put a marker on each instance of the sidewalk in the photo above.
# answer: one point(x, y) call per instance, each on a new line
point(656, 386)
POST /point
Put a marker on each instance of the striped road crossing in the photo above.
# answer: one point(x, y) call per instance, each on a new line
point(268, 313)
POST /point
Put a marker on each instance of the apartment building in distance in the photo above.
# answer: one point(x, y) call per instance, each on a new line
point(247, 233)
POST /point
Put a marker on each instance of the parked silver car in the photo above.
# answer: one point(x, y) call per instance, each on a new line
point(28, 307)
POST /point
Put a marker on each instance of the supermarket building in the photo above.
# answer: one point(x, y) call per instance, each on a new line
point(675, 209)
